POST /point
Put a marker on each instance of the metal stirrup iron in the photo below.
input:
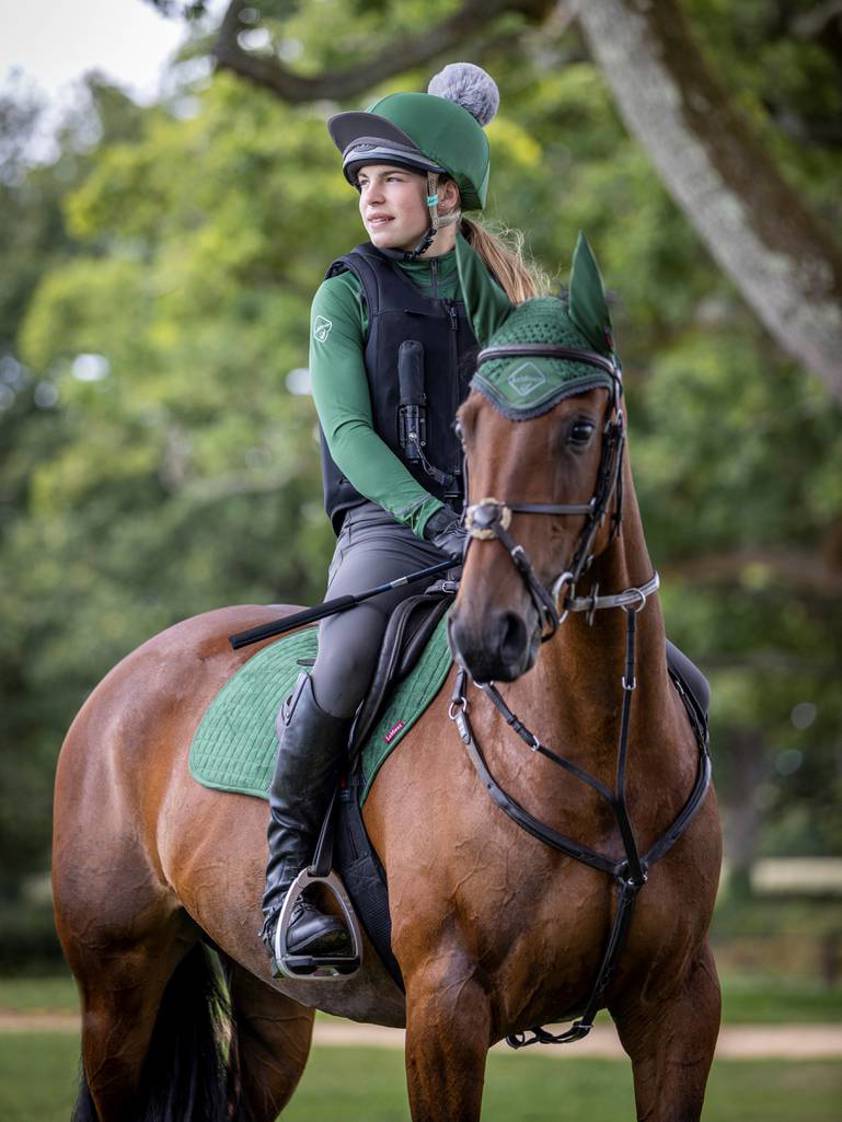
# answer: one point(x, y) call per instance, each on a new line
point(319, 874)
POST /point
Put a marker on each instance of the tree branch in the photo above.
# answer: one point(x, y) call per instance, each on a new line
point(779, 254)
point(809, 25)
point(802, 572)
point(395, 58)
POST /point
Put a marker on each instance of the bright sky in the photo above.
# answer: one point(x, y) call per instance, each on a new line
point(56, 41)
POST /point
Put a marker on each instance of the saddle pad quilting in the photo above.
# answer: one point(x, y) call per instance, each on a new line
point(235, 745)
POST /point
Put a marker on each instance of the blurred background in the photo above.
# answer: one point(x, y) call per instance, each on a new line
point(164, 222)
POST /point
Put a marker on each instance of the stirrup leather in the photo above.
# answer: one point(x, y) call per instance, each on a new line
point(317, 967)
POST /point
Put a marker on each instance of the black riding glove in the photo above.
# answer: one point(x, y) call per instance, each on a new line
point(443, 529)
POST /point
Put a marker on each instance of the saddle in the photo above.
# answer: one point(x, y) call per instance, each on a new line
point(407, 633)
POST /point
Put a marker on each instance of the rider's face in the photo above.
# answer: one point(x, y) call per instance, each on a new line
point(392, 206)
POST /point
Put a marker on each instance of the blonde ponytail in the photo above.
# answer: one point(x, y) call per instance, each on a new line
point(504, 257)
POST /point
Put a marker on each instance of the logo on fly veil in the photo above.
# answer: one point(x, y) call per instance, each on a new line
point(393, 732)
point(526, 378)
point(321, 328)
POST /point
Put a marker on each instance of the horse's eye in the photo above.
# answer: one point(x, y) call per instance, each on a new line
point(580, 433)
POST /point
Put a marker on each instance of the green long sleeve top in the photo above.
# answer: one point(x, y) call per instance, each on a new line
point(338, 327)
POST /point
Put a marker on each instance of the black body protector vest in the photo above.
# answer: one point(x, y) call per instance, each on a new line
point(419, 359)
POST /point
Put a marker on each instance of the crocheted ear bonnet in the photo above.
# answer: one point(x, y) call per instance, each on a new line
point(524, 385)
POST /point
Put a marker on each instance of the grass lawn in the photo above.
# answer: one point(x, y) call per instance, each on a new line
point(38, 1078)
point(38, 1071)
point(51, 994)
point(747, 999)
point(752, 999)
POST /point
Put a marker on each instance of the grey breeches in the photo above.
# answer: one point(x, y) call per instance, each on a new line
point(372, 548)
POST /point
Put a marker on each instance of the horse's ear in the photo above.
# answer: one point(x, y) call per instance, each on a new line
point(486, 303)
point(588, 305)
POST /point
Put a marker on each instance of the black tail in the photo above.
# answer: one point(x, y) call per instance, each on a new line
point(185, 1075)
point(84, 1110)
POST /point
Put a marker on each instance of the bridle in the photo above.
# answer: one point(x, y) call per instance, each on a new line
point(491, 518)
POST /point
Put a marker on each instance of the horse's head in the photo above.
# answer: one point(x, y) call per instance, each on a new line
point(543, 438)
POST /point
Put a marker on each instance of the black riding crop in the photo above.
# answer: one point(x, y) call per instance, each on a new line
point(331, 607)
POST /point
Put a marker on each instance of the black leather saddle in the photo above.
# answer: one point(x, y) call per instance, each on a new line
point(408, 631)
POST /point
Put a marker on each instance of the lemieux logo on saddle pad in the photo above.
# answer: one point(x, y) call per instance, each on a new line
point(321, 328)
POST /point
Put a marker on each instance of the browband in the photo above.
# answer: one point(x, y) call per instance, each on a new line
point(551, 350)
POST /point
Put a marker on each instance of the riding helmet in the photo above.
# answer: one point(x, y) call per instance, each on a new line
point(438, 132)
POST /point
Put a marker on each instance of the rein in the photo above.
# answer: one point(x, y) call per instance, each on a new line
point(491, 518)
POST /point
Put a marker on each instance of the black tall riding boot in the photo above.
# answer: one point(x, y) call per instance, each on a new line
point(312, 745)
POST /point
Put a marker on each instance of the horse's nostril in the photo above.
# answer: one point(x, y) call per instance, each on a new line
point(513, 638)
point(495, 647)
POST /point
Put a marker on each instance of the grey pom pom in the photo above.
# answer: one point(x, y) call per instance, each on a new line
point(469, 86)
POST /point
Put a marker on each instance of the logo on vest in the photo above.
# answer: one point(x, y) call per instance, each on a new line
point(321, 328)
point(525, 378)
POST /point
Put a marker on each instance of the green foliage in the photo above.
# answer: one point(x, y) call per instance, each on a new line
point(173, 471)
point(782, 62)
point(29, 943)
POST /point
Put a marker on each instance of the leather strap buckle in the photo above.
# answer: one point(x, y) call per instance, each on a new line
point(482, 519)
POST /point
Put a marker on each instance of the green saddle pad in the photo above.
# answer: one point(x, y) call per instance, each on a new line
point(235, 745)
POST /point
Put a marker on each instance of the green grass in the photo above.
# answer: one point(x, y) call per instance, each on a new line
point(765, 916)
point(747, 999)
point(38, 1081)
point(51, 994)
point(38, 1076)
point(752, 999)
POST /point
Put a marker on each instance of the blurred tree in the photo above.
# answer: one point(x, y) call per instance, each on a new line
point(35, 240)
point(711, 155)
point(155, 464)
point(722, 171)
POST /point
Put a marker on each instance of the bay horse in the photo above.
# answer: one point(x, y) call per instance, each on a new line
point(495, 931)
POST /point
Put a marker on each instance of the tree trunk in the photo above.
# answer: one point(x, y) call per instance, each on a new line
point(767, 240)
point(742, 813)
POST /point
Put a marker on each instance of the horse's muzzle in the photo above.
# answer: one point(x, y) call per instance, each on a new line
point(497, 646)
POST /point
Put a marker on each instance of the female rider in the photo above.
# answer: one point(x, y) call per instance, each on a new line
point(386, 325)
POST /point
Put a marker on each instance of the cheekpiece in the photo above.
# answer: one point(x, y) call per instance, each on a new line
point(523, 385)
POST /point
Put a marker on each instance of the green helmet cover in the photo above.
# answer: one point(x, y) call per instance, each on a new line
point(438, 128)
